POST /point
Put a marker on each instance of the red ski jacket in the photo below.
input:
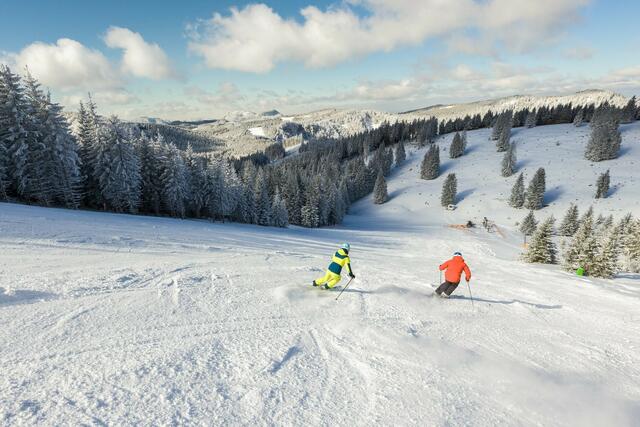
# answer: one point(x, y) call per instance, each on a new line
point(455, 266)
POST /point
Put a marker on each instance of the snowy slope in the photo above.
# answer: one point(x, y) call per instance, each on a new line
point(120, 319)
point(520, 102)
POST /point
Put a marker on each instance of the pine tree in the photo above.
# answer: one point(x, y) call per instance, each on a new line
point(310, 217)
point(151, 154)
point(531, 120)
point(628, 114)
point(605, 264)
point(380, 194)
point(4, 174)
point(579, 118)
point(632, 246)
point(449, 190)
point(529, 224)
point(117, 168)
point(535, 191)
point(570, 223)
point(504, 139)
point(40, 161)
point(588, 215)
point(197, 188)
point(602, 185)
point(509, 161)
point(15, 127)
point(279, 214)
point(517, 193)
point(503, 125)
point(583, 249)
point(605, 140)
point(174, 181)
point(541, 249)
point(88, 135)
point(430, 168)
point(457, 146)
point(400, 154)
point(61, 155)
point(263, 201)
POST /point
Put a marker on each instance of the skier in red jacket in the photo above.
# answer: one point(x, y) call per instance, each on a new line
point(454, 268)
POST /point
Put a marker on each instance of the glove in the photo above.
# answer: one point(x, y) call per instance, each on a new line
point(353, 276)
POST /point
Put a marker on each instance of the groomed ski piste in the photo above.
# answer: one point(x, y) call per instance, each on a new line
point(112, 319)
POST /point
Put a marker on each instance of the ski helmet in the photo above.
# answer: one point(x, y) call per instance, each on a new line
point(346, 246)
point(457, 253)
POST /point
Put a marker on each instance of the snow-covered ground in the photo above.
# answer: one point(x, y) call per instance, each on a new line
point(118, 320)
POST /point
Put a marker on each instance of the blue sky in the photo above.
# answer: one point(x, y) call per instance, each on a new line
point(179, 60)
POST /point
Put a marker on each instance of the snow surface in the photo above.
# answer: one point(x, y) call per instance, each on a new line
point(119, 320)
point(257, 131)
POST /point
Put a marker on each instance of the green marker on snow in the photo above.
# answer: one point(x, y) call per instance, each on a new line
point(580, 271)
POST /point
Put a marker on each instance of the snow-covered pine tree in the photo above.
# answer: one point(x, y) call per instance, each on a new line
point(400, 153)
point(88, 134)
point(292, 196)
point(174, 181)
point(503, 142)
point(570, 223)
point(605, 264)
point(584, 247)
point(263, 201)
point(197, 183)
point(628, 114)
point(40, 161)
point(602, 185)
point(14, 132)
point(449, 190)
point(579, 118)
point(279, 214)
point(457, 146)
point(380, 194)
point(605, 140)
point(632, 246)
point(509, 161)
point(430, 168)
point(231, 190)
point(503, 124)
point(62, 162)
point(151, 154)
point(310, 217)
point(542, 249)
point(531, 120)
point(608, 222)
point(387, 160)
point(4, 172)
point(464, 141)
point(517, 193)
point(588, 215)
point(535, 191)
point(117, 168)
point(529, 224)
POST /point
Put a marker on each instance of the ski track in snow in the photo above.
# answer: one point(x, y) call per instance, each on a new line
point(119, 320)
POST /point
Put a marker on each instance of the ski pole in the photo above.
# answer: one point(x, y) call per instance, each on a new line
point(469, 286)
point(345, 287)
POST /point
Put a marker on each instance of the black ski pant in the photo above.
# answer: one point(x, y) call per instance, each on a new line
point(447, 287)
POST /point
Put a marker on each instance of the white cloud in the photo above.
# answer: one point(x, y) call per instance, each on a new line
point(579, 52)
point(140, 58)
point(227, 96)
point(67, 64)
point(256, 38)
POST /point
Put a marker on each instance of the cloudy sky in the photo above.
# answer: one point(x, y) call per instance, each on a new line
point(199, 59)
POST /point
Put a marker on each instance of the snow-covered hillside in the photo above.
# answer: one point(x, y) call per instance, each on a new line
point(117, 319)
point(519, 102)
